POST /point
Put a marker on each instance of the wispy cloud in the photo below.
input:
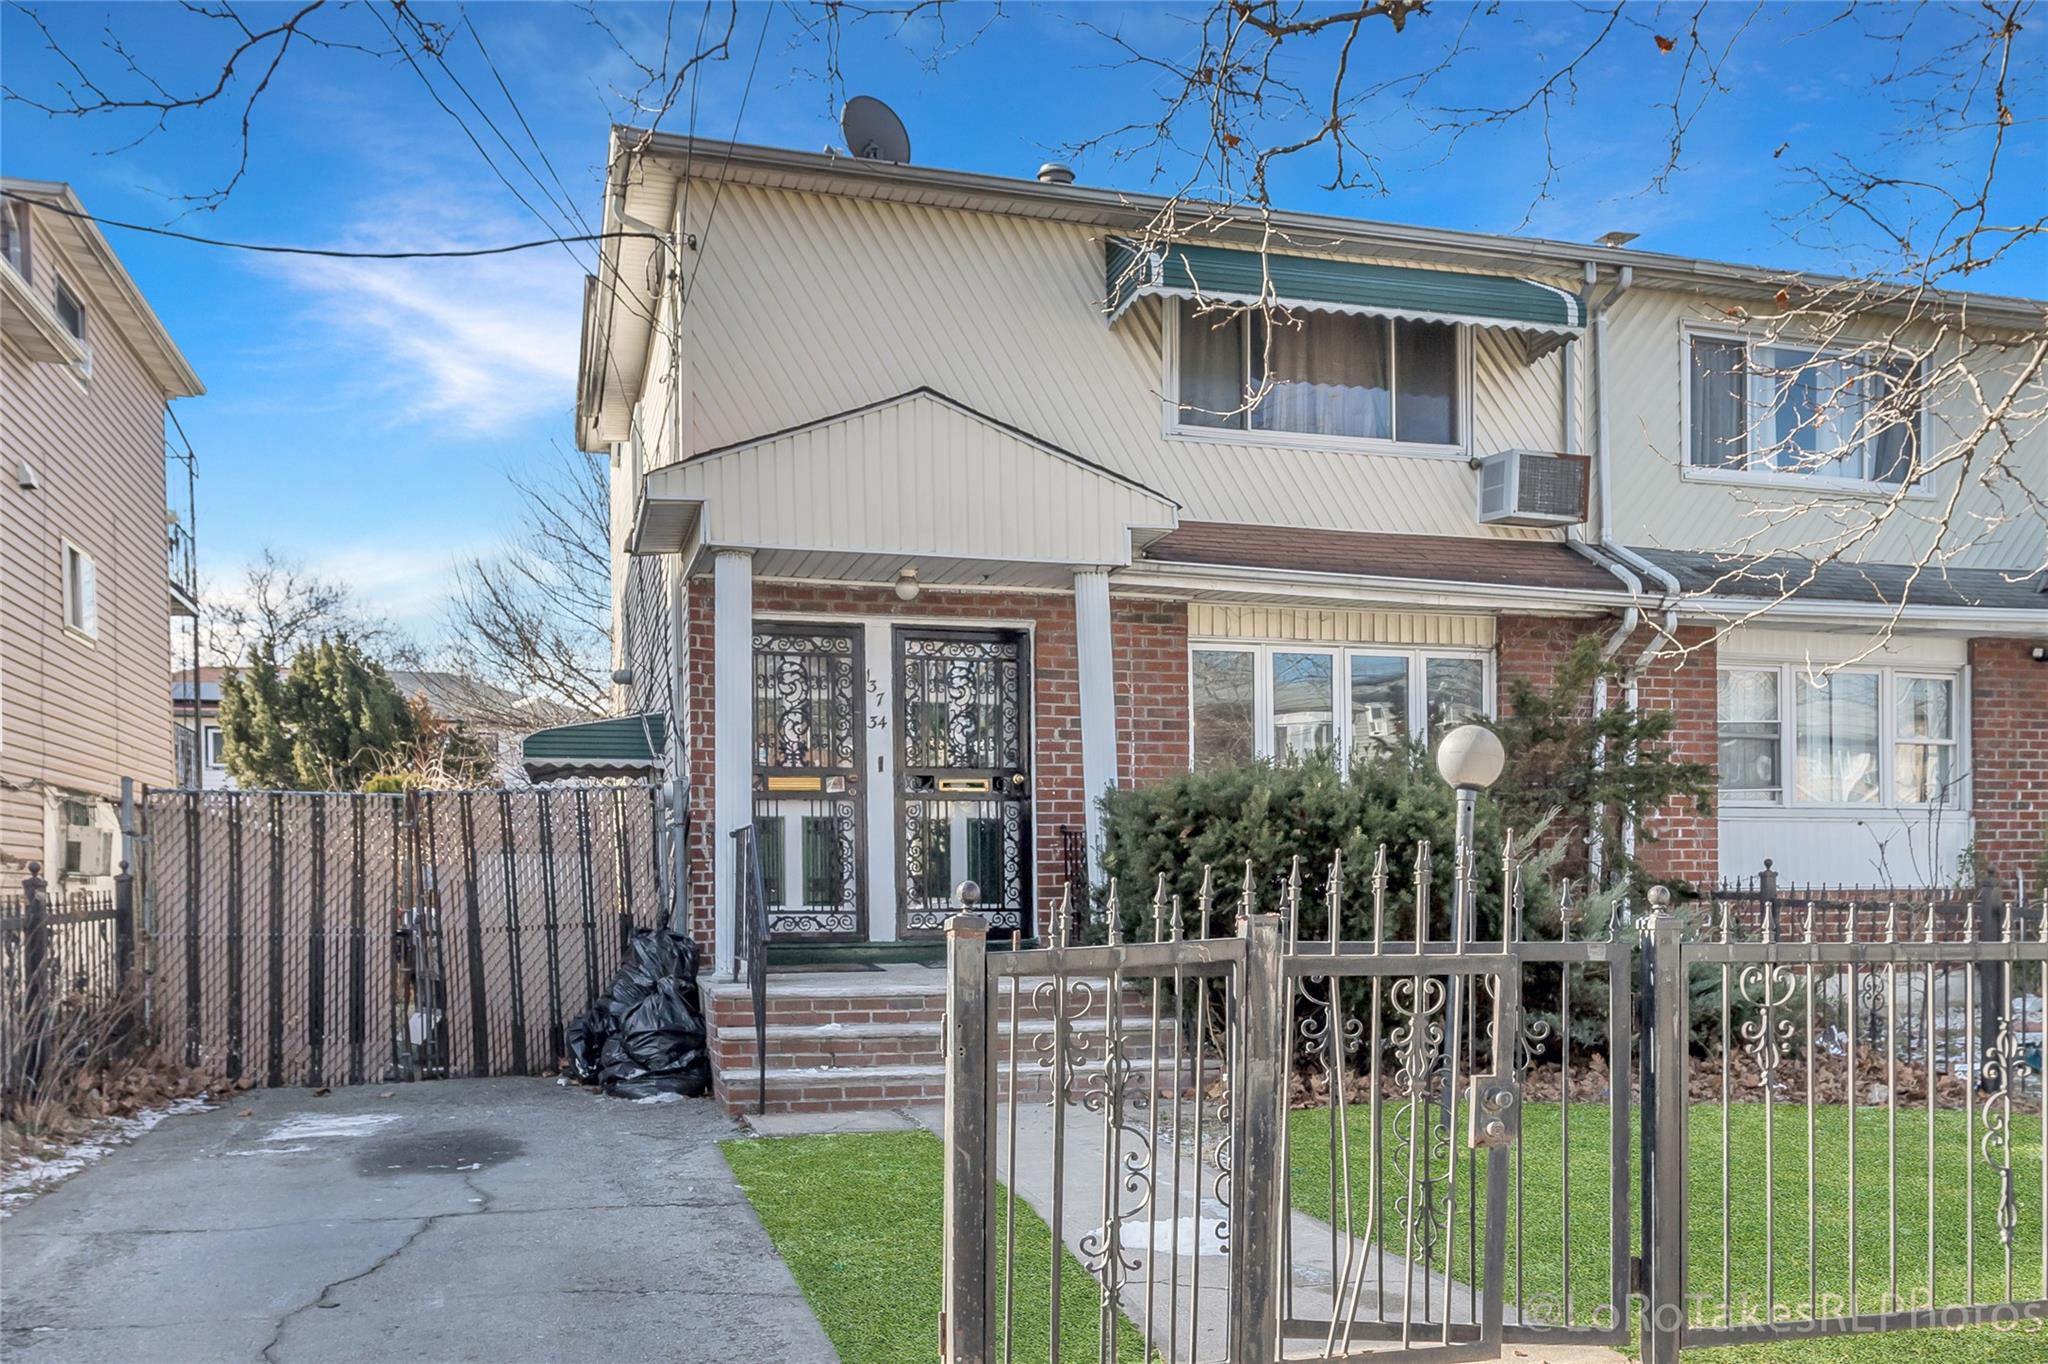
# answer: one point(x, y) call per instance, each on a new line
point(479, 344)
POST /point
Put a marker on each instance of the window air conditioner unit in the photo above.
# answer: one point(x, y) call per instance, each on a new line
point(1533, 488)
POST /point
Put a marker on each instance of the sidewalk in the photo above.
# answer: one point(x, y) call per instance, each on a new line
point(1186, 1324)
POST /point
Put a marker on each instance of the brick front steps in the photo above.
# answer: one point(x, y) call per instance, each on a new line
point(846, 1041)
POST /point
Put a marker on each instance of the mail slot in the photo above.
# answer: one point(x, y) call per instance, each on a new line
point(796, 783)
point(965, 784)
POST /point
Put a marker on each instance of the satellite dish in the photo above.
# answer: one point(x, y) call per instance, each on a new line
point(873, 132)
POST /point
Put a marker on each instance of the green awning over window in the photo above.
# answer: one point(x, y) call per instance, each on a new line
point(1230, 276)
point(622, 746)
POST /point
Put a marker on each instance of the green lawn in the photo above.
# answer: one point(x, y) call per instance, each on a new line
point(857, 1219)
point(1539, 1262)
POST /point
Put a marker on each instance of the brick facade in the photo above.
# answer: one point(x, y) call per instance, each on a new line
point(1681, 842)
point(2009, 756)
point(1688, 845)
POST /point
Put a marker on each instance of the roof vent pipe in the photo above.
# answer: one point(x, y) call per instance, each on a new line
point(1055, 173)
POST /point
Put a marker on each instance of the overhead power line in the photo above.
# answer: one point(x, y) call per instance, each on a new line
point(335, 253)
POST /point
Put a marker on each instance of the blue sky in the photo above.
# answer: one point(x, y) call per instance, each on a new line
point(361, 416)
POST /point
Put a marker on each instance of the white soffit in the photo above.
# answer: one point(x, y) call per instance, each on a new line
point(917, 475)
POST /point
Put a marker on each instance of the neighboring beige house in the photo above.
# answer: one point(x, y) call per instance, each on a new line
point(92, 566)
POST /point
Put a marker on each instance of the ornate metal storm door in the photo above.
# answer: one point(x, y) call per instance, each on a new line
point(963, 777)
point(808, 731)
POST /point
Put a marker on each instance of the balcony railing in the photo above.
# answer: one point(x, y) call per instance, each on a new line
point(184, 569)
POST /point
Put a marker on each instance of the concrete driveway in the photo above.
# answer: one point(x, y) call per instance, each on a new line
point(492, 1220)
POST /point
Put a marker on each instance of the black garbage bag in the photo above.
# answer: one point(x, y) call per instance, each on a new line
point(585, 1038)
point(652, 954)
point(659, 1048)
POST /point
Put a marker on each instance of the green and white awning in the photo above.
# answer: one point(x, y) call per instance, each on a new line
point(1223, 275)
point(623, 746)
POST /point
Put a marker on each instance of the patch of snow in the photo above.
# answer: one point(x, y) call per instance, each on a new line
point(329, 1125)
point(662, 1098)
point(35, 1174)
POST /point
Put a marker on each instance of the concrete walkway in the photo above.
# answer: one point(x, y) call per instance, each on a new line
point(490, 1220)
point(1187, 1323)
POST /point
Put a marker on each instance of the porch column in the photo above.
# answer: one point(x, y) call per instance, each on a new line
point(732, 649)
point(1097, 682)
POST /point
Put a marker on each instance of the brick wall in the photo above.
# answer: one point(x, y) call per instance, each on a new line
point(2009, 754)
point(1151, 680)
point(1151, 689)
point(1685, 846)
point(1688, 846)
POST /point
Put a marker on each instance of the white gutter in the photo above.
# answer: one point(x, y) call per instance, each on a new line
point(1859, 615)
point(1362, 590)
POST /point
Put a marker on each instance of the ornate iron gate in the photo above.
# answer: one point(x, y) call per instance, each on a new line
point(963, 776)
point(809, 742)
point(1355, 1128)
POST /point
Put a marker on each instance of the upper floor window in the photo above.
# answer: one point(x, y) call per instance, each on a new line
point(216, 747)
point(81, 591)
point(14, 236)
point(1289, 701)
point(1319, 376)
point(1858, 737)
point(71, 312)
point(1786, 409)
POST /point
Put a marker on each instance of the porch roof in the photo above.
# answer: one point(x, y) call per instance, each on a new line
point(1224, 275)
point(1527, 564)
point(916, 480)
point(619, 746)
point(1800, 579)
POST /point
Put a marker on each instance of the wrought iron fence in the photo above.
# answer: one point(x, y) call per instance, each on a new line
point(65, 963)
point(1361, 1122)
point(344, 938)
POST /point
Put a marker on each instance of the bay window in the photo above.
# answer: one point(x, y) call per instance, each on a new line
point(1857, 738)
point(1288, 701)
point(1339, 377)
point(1779, 409)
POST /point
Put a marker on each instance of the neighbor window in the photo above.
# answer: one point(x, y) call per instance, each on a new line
point(1288, 702)
point(1336, 376)
point(215, 748)
point(1853, 736)
point(81, 592)
point(71, 312)
point(1782, 409)
point(1752, 734)
point(14, 236)
point(1923, 761)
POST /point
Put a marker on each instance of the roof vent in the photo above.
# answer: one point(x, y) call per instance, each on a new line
point(1055, 173)
point(1531, 488)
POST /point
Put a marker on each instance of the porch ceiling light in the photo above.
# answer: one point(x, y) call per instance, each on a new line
point(1470, 757)
point(906, 585)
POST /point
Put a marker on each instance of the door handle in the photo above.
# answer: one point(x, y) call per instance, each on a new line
point(1018, 779)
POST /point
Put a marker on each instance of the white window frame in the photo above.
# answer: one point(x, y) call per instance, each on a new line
point(84, 320)
point(1174, 428)
point(1340, 689)
point(1889, 676)
point(81, 619)
point(1688, 332)
point(213, 748)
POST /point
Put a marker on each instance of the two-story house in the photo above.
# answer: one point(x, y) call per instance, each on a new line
point(939, 509)
point(92, 566)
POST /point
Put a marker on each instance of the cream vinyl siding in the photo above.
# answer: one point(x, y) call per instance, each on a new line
point(807, 305)
point(1656, 504)
point(80, 714)
point(1208, 620)
point(917, 476)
